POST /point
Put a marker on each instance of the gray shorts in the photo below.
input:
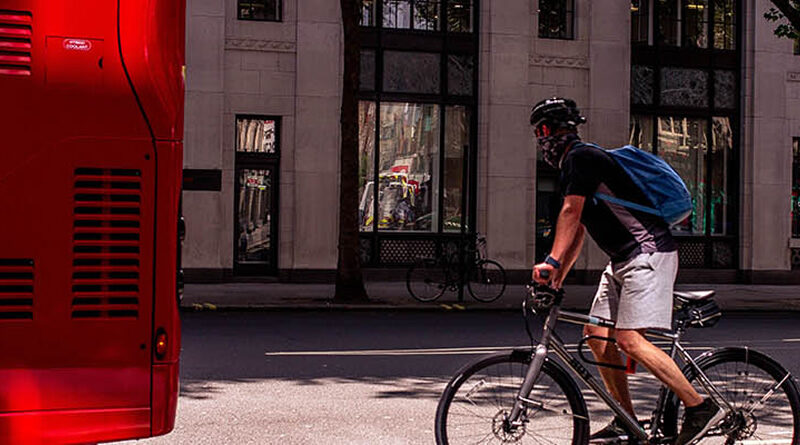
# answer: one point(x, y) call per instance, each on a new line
point(637, 293)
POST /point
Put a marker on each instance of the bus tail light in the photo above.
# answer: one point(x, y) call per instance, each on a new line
point(161, 344)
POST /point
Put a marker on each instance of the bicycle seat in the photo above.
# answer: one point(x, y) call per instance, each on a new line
point(694, 296)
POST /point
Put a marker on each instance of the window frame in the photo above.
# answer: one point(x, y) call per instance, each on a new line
point(656, 56)
point(257, 161)
point(278, 12)
point(569, 21)
point(444, 42)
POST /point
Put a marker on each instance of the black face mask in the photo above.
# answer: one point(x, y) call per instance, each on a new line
point(554, 146)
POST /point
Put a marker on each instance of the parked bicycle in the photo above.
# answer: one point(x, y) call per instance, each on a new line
point(428, 278)
point(524, 396)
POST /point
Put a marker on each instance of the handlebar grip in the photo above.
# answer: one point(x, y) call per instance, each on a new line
point(545, 274)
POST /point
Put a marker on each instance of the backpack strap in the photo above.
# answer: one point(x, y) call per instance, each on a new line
point(628, 204)
point(622, 202)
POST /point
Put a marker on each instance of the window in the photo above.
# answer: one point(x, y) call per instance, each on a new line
point(684, 23)
point(264, 10)
point(796, 187)
point(256, 190)
point(556, 19)
point(455, 16)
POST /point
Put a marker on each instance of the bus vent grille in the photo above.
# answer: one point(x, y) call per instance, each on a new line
point(106, 243)
point(16, 47)
point(16, 289)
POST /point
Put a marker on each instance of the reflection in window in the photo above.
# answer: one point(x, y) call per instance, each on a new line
point(459, 75)
point(411, 72)
point(724, 24)
point(366, 164)
point(556, 19)
point(695, 26)
point(667, 32)
point(682, 143)
point(796, 187)
point(456, 143)
point(255, 135)
point(409, 165)
point(641, 132)
point(411, 14)
point(255, 188)
point(368, 13)
point(684, 87)
point(640, 21)
point(268, 10)
point(721, 146)
point(459, 16)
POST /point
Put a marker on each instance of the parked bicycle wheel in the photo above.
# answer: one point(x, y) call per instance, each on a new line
point(426, 280)
point(764, 396)
point(487, 281)
point(475, 405)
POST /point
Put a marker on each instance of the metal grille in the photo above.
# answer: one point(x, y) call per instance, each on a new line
point(691, 254)
point(398, 251)
point(722, 253)
point(16, 32)
point(106, 243)
point(16, 289)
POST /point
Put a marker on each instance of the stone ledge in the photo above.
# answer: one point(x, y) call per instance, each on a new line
point(260, 45)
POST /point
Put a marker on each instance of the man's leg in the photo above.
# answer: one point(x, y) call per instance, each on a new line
point(661, 365)
point(616, 381)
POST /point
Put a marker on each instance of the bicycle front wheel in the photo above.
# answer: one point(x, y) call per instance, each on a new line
point(475, 405)
point(426, 280)
point(487, 281)
point(764, 396)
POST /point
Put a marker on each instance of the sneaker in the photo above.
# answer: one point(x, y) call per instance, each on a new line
point(614, 432)
point(698, 420)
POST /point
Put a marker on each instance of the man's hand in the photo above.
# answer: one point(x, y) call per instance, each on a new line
point(548, 270)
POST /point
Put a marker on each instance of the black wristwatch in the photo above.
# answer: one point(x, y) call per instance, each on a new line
point(553, 262)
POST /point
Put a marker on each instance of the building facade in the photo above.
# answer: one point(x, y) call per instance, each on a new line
point(446, 147)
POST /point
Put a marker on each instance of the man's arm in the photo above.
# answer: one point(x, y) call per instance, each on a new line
point(568, 228)
point(570, 257)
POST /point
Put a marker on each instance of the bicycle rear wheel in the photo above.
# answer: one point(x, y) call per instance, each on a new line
point(426, 280)
point(487, 281)
point(764, 396)
point(475, 404)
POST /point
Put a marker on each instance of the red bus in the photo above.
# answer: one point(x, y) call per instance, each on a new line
point(91, 127)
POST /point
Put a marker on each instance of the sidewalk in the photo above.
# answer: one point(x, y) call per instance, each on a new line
point(393, 295)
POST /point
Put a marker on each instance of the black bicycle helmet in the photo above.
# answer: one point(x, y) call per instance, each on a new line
point(558, 112)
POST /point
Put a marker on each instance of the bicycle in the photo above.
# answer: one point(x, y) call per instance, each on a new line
point(428, 278)
point(524, 396)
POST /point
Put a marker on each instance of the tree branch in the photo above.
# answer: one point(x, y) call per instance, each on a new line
point(790, 11)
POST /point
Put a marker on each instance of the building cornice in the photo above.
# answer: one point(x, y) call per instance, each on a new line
point(260, 45)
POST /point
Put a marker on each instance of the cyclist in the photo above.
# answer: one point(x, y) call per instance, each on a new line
point(636, 286)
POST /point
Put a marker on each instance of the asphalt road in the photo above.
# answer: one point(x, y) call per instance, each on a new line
point(373, 377)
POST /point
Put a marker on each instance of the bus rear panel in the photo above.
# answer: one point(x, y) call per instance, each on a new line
point(91, 125)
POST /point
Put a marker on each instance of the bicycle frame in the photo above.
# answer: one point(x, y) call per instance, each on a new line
point(550, 341)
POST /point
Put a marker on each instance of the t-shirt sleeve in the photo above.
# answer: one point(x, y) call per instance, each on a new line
point(582, 173)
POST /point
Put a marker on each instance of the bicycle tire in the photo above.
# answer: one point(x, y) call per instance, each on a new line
point(782, 423)
point(563, 406)
point(426, 280)
point(486, 281)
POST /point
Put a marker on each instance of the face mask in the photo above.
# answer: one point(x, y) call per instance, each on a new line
point(554, 146)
